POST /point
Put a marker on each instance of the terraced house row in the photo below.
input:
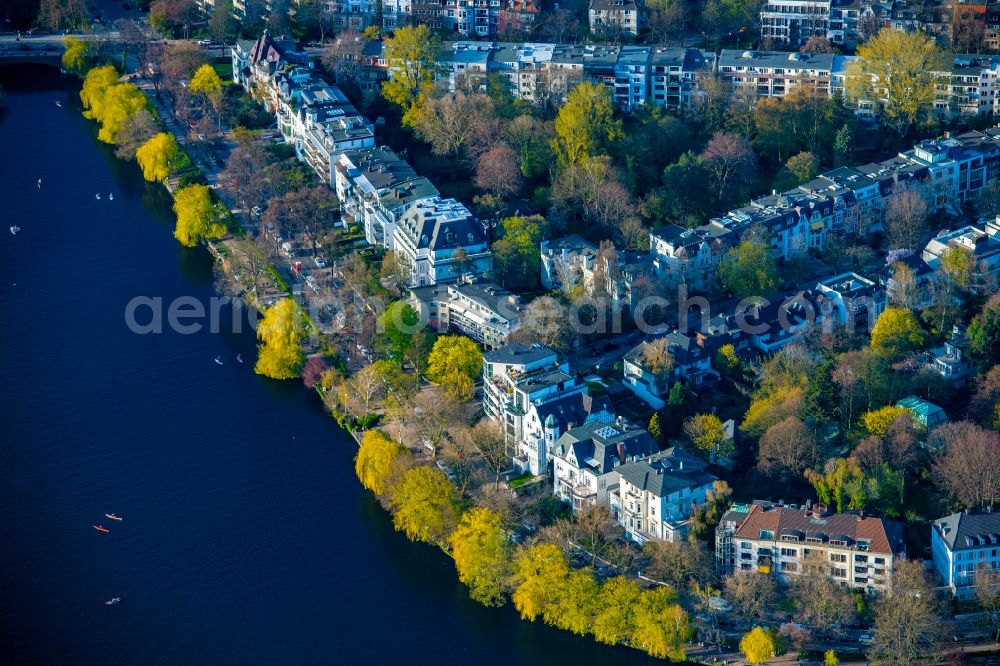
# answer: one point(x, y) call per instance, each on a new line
point(439, 240)
point(672, 77)
point(946, 172)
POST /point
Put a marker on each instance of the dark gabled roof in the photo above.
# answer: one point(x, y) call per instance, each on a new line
point(964, 531)
point(601, 447)
point(576, 409)
point(667, 472)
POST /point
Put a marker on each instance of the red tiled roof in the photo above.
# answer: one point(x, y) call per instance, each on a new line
point(884, 536)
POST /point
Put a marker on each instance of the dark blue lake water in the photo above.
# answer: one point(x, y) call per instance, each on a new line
point(246, 538)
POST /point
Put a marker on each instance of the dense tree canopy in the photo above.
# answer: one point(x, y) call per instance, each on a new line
point(375, 460)
point(482, 554)
point(896, 72)
point(279, 354)
point(197, 216)
point(158, 156)
point(425, 505)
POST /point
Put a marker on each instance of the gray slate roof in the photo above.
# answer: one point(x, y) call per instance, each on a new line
point(965, 531)
point(667, 472)
point(606, 445)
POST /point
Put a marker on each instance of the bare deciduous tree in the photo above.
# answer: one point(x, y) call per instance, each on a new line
point(751, 593)
point(730, 160)
point(907, 619)
point(968, 466)
point(498, 173)
point(906, 219)
point(788, 448)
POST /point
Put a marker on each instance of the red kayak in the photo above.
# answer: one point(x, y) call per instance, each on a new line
point(101, 528)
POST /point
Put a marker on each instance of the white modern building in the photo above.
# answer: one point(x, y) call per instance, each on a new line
point(656, 495)
point(440, 241)
point(529, 391)
point(587, 459)
point(483, 311)
point(962, 544)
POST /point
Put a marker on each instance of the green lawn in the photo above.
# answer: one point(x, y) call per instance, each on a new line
point(224, 70)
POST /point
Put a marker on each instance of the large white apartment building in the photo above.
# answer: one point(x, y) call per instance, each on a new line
point(855, 550)
point(587, 459)
point(375, 188)
point(656, 495)
point(529, 391)
point(794, 22)
point(440, 241)
point(483, 311)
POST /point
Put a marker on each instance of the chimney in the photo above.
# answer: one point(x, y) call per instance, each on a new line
point(808, 505)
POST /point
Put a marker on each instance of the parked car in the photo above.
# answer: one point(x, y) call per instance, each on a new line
point(319, 262)
point(865, 639)
point(443, 466)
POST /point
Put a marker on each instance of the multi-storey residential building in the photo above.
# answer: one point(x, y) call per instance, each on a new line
point(775, 73)
point(587, 458)
point(375, 188)
point(793, 22)
point(257, 61)
point(530, 392)
point(949, 360)
point(981, 241)
point(614, 18)
point(726, 561)
point(483, 311)
point(855, 550)
point(962, 544)
point(570, 258)
point(517, 16)
point(674, 74)
point(632, 68)
point(440, 241)
point(691, 360)
point(853, 21)
point(691, 256)
point(656, 496)
point(957, 171)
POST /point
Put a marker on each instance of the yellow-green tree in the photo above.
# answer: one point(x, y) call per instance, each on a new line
point(279, 354)
point(661, 626)
point(586, 125)
point(425, 505)
point(158, 156)
point(482, 554)
point(454, 355)
point(896, 72)
point(375, 460)
point(708, 435)
point(877, 421)
point(206, 82)
point(770, 407)
point(197, 216)
point(95, 86)
point(120, 103)
point(830, 658)
point(412, 55)
point(896, 333)
point(759, 645)
point(74, 58)
point(577, 604)
point(958, 265)
point(748, 270)
point(615, 621)
point(726, 359)
point(539, 571)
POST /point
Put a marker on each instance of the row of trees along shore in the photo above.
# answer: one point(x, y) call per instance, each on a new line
point(129, 121)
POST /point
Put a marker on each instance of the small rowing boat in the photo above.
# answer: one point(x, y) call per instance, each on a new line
point(112, 602)
point(101, 528)
point(113, 516)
